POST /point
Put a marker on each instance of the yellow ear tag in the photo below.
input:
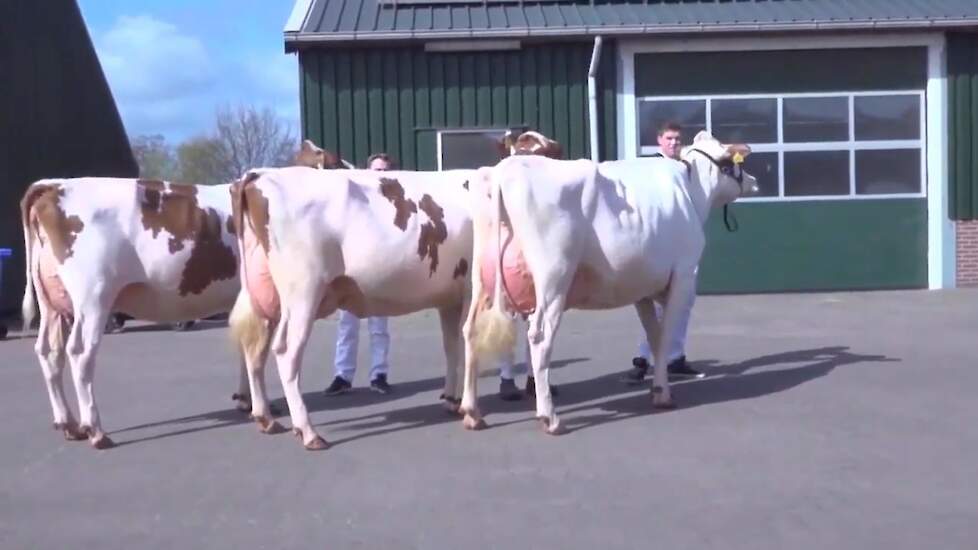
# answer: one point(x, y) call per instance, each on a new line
point(738, 158)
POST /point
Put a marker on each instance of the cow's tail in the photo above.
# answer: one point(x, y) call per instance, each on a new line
point(495, 328)
point(28, 307)
point(248, 330)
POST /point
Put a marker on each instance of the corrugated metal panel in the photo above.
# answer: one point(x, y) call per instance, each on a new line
point(962, 80)
point(348, 20)
point(362, 101)
point(57, 115)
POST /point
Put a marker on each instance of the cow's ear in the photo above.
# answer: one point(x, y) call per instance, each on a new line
point(703, 135)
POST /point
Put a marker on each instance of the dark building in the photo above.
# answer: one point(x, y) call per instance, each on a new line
point(57, 116)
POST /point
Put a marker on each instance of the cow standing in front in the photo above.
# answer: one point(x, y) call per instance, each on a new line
point(153, 250)
point(575, 234)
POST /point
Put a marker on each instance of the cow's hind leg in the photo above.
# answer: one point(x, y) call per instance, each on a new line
point(50, 350)
point(542, 329)
point(251, 334)
point(451, 319)
point(83, 344)
point(297, 323)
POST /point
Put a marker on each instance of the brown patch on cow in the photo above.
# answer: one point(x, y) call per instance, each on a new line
point(461, 269)
point(229, 224)
point(257, 209)
point(44, 201)
point(433, 232)
point(248, 199)
point(393, 191)
point(211, 260)
point(174, 209)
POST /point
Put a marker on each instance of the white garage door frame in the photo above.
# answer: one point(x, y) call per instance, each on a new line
point(940, 229)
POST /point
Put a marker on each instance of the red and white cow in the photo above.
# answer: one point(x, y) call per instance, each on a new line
point(153, 250)
point(372, 243)
point(581, 235)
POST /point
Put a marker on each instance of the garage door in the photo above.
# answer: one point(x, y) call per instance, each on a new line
point(838, 141)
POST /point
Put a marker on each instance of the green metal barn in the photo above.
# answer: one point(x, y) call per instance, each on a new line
point(862, 115)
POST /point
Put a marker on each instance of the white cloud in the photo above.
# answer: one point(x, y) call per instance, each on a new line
point(168, 81)
point(146, 59)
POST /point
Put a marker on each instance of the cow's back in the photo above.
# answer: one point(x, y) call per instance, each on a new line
point(391, 242)
point(165, 248)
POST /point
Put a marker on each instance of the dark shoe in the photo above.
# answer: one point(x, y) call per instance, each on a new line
point(339, 385)
point(380, 385)
point(184, 326)
point(508, 390)
point(634, 377)
point(680, 369)
point(531, 388)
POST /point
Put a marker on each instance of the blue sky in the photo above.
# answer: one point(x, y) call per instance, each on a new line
point(171, 63)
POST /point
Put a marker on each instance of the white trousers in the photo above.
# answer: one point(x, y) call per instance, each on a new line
point(347, 337)
point(676, 347)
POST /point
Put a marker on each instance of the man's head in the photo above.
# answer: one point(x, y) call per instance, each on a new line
point(380, 162)
point(670, 138)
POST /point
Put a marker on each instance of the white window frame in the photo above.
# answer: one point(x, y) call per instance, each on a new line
point(780, 147)
point(462, 131)
point(940, 229)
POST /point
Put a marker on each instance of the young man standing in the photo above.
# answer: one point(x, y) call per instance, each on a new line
point(348, 329)
point(670, 139)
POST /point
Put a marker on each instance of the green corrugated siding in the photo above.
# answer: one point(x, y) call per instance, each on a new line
point(817, 245)
point(962, 121)
point(361, 101)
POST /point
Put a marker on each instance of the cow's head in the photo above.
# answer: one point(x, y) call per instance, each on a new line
point(529, 143)
point(316, 157)
point(721, 168)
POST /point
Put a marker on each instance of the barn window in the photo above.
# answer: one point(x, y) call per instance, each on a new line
point(809, 145)
point(468, 148)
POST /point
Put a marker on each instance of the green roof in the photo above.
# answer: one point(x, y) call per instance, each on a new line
point(372, 20)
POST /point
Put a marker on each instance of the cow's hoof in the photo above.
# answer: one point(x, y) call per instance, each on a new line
point(71, 431)
point(472, 423)
point(553, 429)
point(453, 406)
point(317, 444)
point(268, 425)
point(662, 401)
point(102, 442)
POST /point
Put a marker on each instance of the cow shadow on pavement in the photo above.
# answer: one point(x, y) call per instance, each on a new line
point(379, 422)
point(748, 379)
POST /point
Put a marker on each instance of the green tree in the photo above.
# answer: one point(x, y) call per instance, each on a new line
point(154, 157)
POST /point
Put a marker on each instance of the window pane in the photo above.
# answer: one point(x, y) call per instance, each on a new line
point(745, 120)
point(816, 173)
point(816, 119)
point(691, 114)
point(764, 167)
point(887, 117)
point(888, 171)
point(470, 149)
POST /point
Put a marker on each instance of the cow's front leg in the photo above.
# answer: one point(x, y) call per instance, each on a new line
point(540, 336)
point(451, 324)
point(681, 292)
point(297, 324)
